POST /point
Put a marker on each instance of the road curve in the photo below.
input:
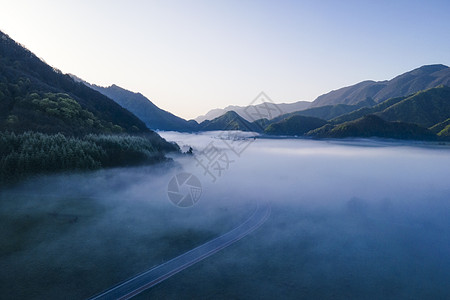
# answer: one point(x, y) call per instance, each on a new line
point(152, 277)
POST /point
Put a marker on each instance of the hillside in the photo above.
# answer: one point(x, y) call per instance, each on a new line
point(425, 108)
point(50, 123)
point(374, 126)
point(405, 84)
point(441, 128)
point(294, 125)
point(444, 133)
point(228, 121)
point(33, 153)
point(328, 112)
point(401, 117)
point(154, 117)
point(35, 96)
point(353, 115)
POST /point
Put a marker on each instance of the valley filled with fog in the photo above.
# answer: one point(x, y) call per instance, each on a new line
point(349, 219)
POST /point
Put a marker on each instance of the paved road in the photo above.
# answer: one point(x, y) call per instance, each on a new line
point(152, 277)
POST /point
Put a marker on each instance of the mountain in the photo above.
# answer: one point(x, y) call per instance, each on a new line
point(425, 108)
point(374, 126)
point(402, 117)
point(360, 99)
point(51, 123)
point(361, 112)
point(408, 83)
point(282, 108)
point(300, 122)
point(228, 121)
point(35, 96)
point(212, 114)
point(328, 112)
point(296, 125)
point(154, 117)
point(405, 117)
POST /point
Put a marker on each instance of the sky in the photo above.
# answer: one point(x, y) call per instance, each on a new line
point(191, 56)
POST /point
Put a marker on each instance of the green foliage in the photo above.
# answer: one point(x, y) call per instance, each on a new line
point(366, 111)
point(429, 108)
point(53, 113)
point(425, 108)
point(12, 119)
point(445, 133)
point(442, 129)
point(33, 153)
point(328, 112)
point(125, 149)
point(373, 126)
point(440, 126)
point(294, 125)
point(228, 121)
point(45, 100)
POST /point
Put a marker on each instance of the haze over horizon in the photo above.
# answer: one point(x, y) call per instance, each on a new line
point(188, 58)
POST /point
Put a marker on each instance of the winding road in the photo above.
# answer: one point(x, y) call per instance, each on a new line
point(152, 277)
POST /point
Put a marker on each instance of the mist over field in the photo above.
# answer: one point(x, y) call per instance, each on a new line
point(363, 219)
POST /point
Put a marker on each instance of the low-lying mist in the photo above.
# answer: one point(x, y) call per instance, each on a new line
point(361, 219)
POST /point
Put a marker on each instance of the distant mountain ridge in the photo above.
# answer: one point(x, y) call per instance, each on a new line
point(154, 117)
point(328, 112)
point(230, 120)
point(425, 108)
point(423, 115)
point(408, 83)
point(241, 110)
point(417, 106)
point(422, 78)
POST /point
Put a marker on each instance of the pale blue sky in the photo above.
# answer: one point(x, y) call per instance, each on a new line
point(192, 56)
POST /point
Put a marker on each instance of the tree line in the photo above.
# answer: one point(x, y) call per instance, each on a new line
point(29, 153)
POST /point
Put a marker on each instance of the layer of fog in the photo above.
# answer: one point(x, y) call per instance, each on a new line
point(358, 219)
